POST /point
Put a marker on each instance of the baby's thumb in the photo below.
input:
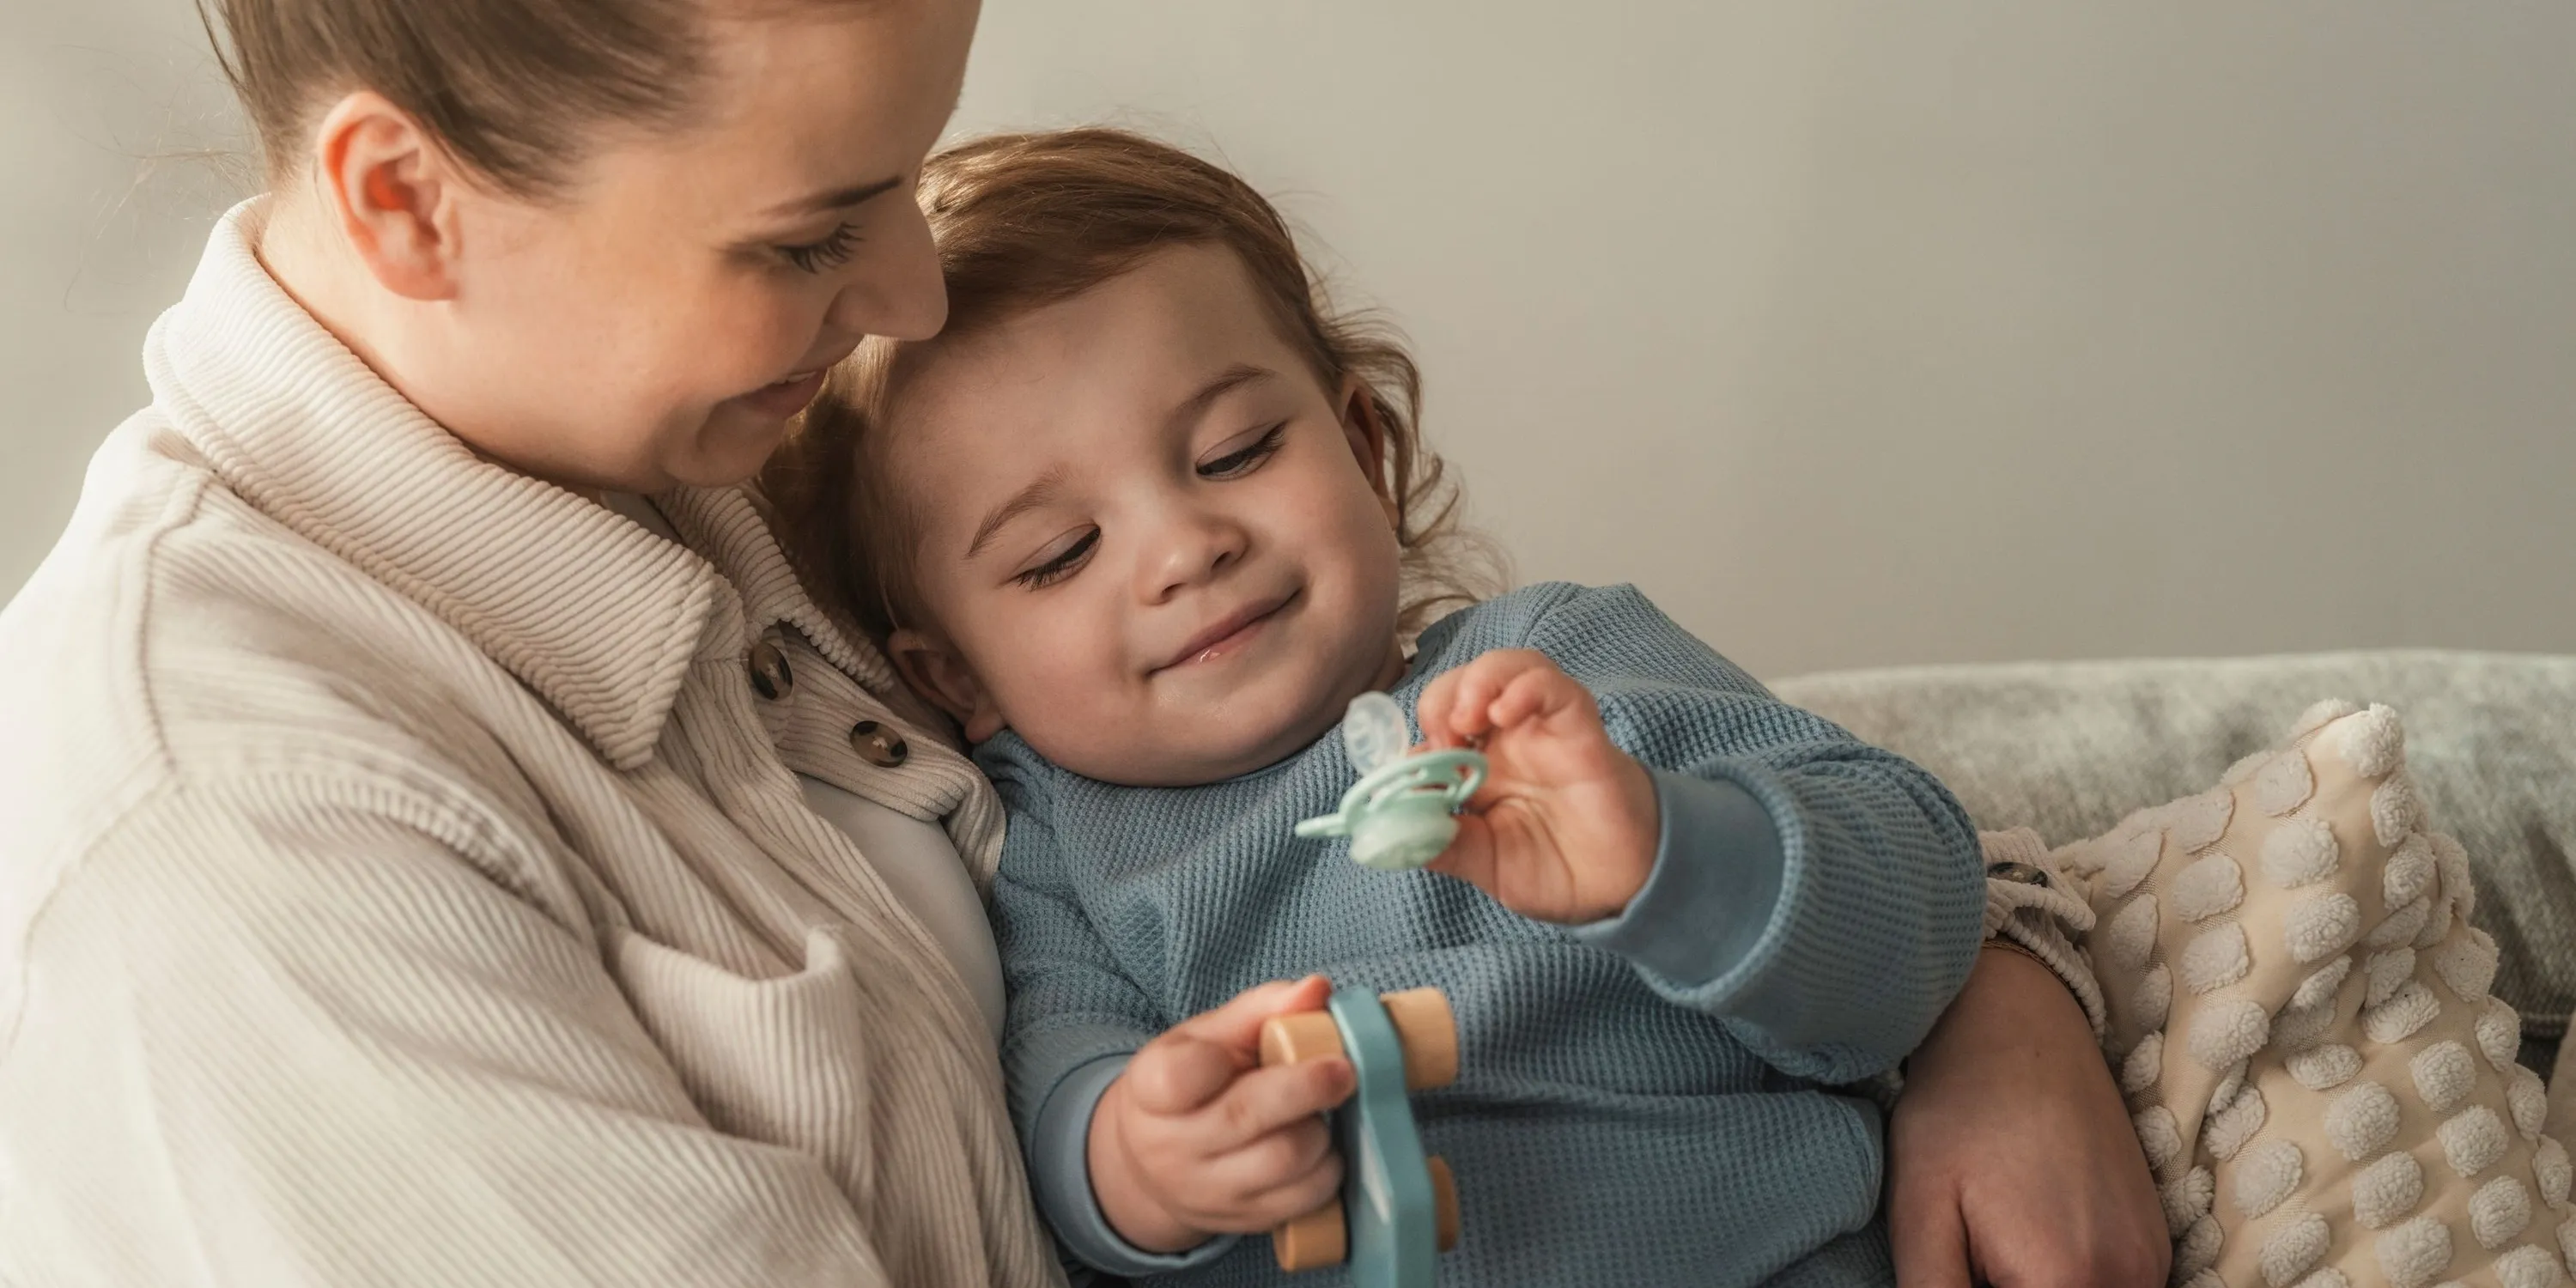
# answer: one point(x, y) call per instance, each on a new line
point(1236, 1025)
point(1195, 1060)
point(1177, 1073)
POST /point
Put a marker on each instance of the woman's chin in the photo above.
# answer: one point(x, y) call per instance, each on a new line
point(730, 448)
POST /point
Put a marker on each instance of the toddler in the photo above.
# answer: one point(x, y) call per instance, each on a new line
point(1144, 519)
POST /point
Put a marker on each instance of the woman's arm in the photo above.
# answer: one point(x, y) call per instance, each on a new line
point(2011, 1158)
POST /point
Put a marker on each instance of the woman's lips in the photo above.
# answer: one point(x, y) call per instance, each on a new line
point(1230, 634)
point(787, 397)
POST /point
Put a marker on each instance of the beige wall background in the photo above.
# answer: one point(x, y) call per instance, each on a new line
point(1855, 333)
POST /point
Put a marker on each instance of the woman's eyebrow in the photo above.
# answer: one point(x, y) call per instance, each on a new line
point(834, 199)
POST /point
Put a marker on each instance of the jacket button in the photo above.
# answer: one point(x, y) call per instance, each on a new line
point(770, 676)
point(878, 745)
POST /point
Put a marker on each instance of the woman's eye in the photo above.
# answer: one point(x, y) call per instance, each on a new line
point(1246, 459)
point(831, 252)
point(1061, 566)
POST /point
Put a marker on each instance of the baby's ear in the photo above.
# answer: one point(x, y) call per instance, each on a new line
point(937, 671)
point(1365, 430)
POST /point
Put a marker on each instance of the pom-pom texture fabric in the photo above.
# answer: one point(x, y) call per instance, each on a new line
point(2300, 1017)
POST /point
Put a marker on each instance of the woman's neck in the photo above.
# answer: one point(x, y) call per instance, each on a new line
point(315, 269)
point(314, 266)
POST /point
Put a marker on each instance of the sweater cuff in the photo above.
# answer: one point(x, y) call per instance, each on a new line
point(1060, 1172)
point(1713, 890)
point(2033, 902)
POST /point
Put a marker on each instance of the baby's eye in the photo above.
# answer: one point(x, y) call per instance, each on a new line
point(1061, 565)
point(1246, 459)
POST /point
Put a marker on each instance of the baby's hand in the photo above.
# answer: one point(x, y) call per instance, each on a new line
point(1566, 825)
point(1196, 1139)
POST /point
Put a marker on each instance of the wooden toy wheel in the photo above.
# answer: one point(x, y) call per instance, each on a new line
point(1429, 1031)
point(1295, 1039)
point(1320, 1238)
point(1313, 1241)
point(1423, 1023)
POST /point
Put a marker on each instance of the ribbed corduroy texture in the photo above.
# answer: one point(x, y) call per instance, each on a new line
point(1608, 1126)
point(400, 882)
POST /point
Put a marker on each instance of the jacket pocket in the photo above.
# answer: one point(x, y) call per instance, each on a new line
point(783, 1060)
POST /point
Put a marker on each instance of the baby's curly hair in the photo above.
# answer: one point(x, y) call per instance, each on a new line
point(1026, 220)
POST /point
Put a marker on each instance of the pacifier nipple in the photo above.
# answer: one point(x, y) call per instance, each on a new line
point(1403, 811)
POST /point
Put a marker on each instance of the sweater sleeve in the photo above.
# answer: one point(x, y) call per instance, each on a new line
point(1075, 1017)
point(1822, 897)
point(285, 1033)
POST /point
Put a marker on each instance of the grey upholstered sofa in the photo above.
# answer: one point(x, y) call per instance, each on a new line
point(2068, 748)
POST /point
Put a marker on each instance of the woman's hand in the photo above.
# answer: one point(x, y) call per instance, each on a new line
point(1566, 825)
point(1196, 1139)
point(2011, 1157)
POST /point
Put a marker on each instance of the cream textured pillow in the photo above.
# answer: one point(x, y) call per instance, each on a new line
point(2300, 1017)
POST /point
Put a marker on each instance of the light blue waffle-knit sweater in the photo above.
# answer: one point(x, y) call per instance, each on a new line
point(1646, 1100)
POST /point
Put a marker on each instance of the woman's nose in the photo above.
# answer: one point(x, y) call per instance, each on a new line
point(899, 294)
point(1195, 546)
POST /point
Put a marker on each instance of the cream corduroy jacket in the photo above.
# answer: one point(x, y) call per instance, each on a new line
point(401, 881)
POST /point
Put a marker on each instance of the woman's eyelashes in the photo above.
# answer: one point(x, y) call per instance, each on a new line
point(831, 252)
point(1062, 565)
point(1244, 460)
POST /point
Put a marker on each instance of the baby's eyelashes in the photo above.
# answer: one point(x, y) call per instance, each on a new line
point(1236, 461)
point(1064, 563)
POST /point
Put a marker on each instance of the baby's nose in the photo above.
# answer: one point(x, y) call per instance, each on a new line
point(1194, 548)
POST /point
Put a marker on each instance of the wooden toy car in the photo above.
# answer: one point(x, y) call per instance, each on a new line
point(1398, 1210)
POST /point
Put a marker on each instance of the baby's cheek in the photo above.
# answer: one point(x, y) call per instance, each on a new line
point(1056, 688)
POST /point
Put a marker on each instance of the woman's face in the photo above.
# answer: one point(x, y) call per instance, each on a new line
point(661, 323)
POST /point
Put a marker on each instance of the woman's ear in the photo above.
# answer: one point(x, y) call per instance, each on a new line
point(936, 671)
point(393, 194)
point(1366, 432)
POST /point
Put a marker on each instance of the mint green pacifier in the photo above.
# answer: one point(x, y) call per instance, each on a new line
point(1403, 811)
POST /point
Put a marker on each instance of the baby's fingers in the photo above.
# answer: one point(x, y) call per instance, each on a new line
point(1267, 1101)
point(1237, 1024)
point(1543, 693)
point(1432, 711)
point(1456, 708)
point(1264, 1164)
point(1185, 1068)
point(1278, 1178)
point(1179, 1073)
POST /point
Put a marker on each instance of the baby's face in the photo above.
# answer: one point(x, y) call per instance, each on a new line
point(1147, 537)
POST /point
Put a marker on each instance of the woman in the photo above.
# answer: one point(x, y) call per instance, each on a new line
point(430, 863)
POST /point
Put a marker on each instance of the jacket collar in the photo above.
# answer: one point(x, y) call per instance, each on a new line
point(730, 528)
point(595, 615)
